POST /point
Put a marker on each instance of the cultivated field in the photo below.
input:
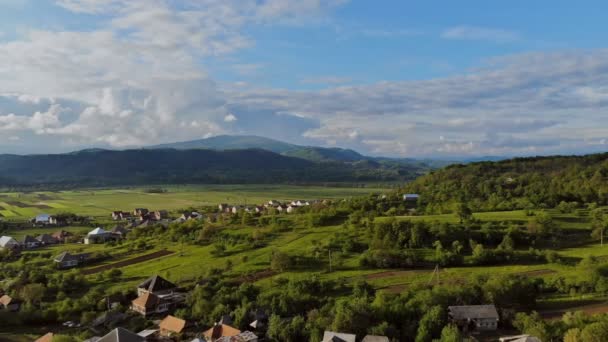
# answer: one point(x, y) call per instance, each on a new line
point(100, 202)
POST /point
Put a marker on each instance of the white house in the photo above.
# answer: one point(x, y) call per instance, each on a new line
point(45, 219)
point(8, 242)
point(97, 235)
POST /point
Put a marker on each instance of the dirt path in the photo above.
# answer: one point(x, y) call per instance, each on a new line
point(591, 309)
point(128, 262)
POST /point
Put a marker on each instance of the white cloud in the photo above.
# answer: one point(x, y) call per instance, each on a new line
point(480, 33)
point(230, 118)
point(139, 78)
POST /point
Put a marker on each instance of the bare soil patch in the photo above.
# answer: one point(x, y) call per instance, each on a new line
point(128, 262)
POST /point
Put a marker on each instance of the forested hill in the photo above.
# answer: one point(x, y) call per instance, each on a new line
point(103, 167)
point(516, 183)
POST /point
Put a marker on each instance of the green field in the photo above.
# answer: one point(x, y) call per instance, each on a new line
point(101, 202)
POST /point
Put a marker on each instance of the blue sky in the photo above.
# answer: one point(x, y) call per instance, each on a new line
point(394, 78)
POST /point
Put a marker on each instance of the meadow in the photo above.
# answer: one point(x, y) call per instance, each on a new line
point(17, 206)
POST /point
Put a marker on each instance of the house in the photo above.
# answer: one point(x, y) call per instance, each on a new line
point(273, 203)
point(140, 211)
point(299, 203)
point(375, 338)
point(219, 331)
point(121, 335)
point(45, 220)
point(150, 304)
point(411, 197)
point(99, 235)
point(330, 336)
point(157, 285)
point(519, 338)
point(149, 334)
point(236, 209)
point(67, 260)
point(46, 239)
point(160, 215)
point(119, 231)
point(259, 209)
point(281, 208)
point(121, 215)
point(223, 207)
point(171, 326)
point(245, 336)
point(62, 236)
point(479, 317)
point(29, 242)
point(46, 338)
point(9, 303)
point(8, 242)
point(291, 208)
point(190, 216)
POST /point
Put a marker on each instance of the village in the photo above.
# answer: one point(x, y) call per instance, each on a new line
point(158, 298)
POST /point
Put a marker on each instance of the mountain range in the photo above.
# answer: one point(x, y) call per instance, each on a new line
point(222, 159)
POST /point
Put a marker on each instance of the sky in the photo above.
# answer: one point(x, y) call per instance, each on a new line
point(399, 78)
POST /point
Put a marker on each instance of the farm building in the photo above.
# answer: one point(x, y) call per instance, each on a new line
point(67, 260)
point(8, 242)
point(171, 325)
point(9, 303)
point(476, 317)
point(330, 336)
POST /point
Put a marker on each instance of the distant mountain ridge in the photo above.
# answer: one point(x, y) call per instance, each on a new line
point(231, 142)
point(97, 167)
point(311, 153)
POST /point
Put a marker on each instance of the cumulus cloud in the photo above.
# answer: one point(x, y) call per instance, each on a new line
point(230, 118)
point(139, 78)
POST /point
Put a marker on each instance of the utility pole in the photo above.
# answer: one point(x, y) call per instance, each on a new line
point(329, 250)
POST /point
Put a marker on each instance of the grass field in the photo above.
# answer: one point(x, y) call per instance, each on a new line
point(101, 202)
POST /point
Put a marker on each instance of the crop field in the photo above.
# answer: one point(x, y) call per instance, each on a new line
point(100, 202)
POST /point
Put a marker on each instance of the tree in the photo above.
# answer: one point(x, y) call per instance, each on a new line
point(450, 333)
point(280, 261)
point(573, 335)
point(598, 223)
point(595, 332)
point(33, 293)
point(430, 324)
point(463, 211)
